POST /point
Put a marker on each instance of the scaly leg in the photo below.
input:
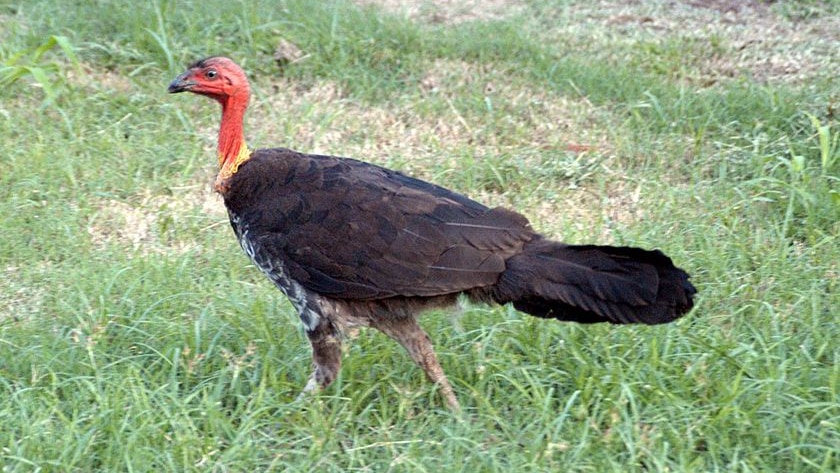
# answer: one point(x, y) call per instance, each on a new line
point(419, 346)
point(326, 356)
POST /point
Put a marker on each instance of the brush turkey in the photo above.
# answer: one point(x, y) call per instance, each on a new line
point(354, 244)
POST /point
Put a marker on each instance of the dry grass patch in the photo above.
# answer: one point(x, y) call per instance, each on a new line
point(19, 301)
point(450, 12)
point(147, 224)
point(426, 131)
point(731, 38)
point(590, 214)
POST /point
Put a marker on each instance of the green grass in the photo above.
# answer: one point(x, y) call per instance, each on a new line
point(135, 336)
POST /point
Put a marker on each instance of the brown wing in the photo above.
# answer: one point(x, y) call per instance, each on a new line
point(352, 230)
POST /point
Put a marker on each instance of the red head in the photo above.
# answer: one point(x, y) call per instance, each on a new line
point(216, 77)
point(223, 81)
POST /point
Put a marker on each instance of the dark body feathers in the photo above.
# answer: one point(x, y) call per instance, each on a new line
point(355, 244)
point(346, 230)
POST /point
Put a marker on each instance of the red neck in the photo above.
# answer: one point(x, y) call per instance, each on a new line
point(232, 148)
point(231, 135)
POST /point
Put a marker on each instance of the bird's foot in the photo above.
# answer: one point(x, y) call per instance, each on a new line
point(310, 388)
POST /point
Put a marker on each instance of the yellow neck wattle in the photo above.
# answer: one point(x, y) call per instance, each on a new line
point(228, 165)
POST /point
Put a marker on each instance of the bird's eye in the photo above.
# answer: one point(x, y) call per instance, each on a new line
point(211, 74)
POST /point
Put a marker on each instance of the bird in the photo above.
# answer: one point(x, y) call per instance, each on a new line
point(352, 244)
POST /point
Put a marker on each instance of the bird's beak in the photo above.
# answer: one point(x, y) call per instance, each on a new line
point(181, 84)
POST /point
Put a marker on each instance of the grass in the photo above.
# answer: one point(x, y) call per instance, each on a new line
point(135, 336)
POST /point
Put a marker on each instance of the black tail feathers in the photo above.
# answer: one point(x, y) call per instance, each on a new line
point(589, 284)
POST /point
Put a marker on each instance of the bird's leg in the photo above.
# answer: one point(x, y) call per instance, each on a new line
point(326, 355)
point(411, 336)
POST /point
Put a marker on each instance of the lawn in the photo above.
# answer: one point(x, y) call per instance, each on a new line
point(136, 336)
